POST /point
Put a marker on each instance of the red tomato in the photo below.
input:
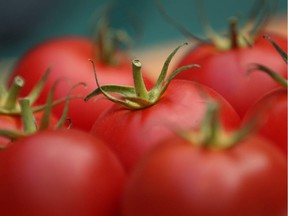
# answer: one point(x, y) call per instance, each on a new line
point(271, 112)
point(8, 123)
point(178, 178)
point(130, 133)
point(226, 71)
point(68, 57)
point(59, 172)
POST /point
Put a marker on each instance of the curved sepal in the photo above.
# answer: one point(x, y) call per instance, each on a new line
point(137, 96)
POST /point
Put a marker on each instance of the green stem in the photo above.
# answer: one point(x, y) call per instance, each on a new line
point(210, 126)
point(139, 84)
point(27, 117)
point(13, 93)
point(107, 40)
point(106, 46)
point(233, 26)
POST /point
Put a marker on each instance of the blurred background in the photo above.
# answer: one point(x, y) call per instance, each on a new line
point(26, 23)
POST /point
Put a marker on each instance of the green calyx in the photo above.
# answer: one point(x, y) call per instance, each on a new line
point(237, 37)
point(107, 40)
point(275, 76)
point(27, 113)
point(212, 134)
point(137, 96)
point(9, 98)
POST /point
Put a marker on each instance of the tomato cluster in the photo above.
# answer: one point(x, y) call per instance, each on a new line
point(208, 138)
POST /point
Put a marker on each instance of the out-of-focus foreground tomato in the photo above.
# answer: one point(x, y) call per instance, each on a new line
point(180, 177)
point(59, 172)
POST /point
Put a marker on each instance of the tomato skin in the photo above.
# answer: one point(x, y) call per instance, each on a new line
point(130, 133)
point(8, 123)
point(177, 178)
point(60, 172)
point(272, 110)
point(69, 57)
point(226, 71)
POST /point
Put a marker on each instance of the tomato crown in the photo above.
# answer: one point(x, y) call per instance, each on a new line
point(259, 67)
point(27, 114)
point(9, 97)
point(236, 38)
point(212, 133)
point(107, 39)
point(137, 96)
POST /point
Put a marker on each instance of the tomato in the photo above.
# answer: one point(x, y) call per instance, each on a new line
point(226, 71)
point(130, 133)
point(178, 178)
point(68, 58)
point(271, 113)
point(59, 172)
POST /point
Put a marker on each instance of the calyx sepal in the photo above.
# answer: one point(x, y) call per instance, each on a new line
point(275, 76)
point(137, 96)
point(212, 134)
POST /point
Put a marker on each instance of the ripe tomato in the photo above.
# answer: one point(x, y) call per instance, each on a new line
point(226, 71)
point(271, 112)
point(59, 172)
point(68, 58)
point(130, 133)
point(179, 178)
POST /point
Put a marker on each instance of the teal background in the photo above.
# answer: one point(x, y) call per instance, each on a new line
point(26, 23)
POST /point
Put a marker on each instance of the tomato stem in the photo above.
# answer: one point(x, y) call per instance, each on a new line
point(13, 93)
point(243, 37)
point(10, 104)
point(29, 124)
point(212, 133)
point(139, 84)
point(107, 40)
point(137, 96)
point(106, 47)
point(233, 26)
